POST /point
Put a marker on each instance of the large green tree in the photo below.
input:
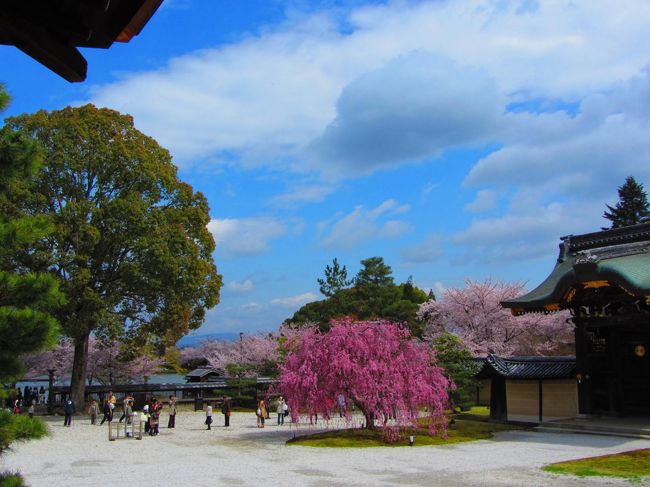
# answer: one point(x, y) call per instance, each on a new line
point(632, 207)
point(459, 366)
point(373, 296)
point(130, 243)
point(27, 299)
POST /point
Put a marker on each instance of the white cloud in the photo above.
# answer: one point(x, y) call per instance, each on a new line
point(263, 99)
point(525, 232)
point(362, 224)
point(240, 287)
point(410, 109)
point(295, 301)
point(485, 201)
point(245, 236)
point(302, 194)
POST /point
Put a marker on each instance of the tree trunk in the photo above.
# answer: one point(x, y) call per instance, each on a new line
point(79, 364)
point(370, 420)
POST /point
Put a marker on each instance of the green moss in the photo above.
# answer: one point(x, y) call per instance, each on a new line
point(462, 430)
point(631, 465)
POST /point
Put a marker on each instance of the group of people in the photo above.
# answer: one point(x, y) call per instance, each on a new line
point(226, 410)
point(151, 412)
point(28, 399)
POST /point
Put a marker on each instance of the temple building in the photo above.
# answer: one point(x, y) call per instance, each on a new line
point(603, 278)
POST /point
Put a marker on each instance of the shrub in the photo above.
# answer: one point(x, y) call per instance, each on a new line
point(11, 479)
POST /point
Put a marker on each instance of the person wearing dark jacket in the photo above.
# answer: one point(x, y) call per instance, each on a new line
point(69, 411)
point(226, 409)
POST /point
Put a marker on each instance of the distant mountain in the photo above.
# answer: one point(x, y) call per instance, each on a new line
point(194, 340)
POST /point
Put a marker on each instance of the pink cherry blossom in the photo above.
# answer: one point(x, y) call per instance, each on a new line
point(375, 365)
point(475, 315)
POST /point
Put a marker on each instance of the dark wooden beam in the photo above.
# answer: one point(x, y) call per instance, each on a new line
point(49, 50)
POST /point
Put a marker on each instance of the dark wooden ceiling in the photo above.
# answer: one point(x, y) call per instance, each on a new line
point(50, 31)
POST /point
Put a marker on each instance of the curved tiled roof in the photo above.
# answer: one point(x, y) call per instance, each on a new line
point(526, 367)
point(612, 258)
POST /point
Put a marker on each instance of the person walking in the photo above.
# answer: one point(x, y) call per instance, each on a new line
point(208, 415)
point(172, 412)
point(30, 409)
point(93, 409)
point(69, 411)
point(154, 417)
point(261, 413)
point(226, 409)
point(108, 412)
point(340, 401)
point(145, 412)
point(280, 411)
point(127, 398)
point(128, 412)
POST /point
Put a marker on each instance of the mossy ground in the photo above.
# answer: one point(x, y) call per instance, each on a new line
point(632, 465)
point(470, 426)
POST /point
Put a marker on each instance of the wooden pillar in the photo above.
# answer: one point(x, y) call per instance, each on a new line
point(541, 400)
point(582, 368)
point(50, 393)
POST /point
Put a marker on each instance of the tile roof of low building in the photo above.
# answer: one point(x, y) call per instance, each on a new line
point(563, 367)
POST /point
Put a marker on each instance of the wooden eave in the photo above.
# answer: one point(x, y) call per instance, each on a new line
point(591, 268)
point(51, 31)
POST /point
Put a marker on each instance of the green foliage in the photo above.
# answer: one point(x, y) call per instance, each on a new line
point(632, 207)
point(27, 299)
point(374, 273)
point(19, 427)
point(336, 279)
point(130, 243)
point(11, 479)
point(373, 296)
point(632, 465)
point(459, 365)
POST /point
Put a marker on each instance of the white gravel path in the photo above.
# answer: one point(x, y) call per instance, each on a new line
point(245, 455)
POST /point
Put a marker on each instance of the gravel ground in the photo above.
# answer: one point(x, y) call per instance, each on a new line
point(246, 455)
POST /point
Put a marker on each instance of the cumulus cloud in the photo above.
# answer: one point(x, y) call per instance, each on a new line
point(429, 250)
point(263, 99)
point(485, 200)
point(295, 301)
point(559, 169)
point(363, 224)
point(240, 287)
point(245, 236)
point(525, 232)
point(411, 109)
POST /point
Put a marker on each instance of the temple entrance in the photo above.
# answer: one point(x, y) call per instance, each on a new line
point(635, 371)
point(618, 365)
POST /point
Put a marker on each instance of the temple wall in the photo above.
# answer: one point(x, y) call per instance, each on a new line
point(559, 400)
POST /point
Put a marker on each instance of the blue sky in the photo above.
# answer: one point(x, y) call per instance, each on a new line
point(456, 139)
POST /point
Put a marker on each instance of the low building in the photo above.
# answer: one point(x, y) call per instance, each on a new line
point(530, 389)
point(204, 375)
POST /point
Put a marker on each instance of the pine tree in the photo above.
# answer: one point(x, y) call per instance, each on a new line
point(336, 278)
point(632, 207)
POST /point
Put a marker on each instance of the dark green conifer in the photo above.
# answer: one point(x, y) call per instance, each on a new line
point(632, 207)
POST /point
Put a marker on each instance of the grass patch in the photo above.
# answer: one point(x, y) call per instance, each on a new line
point(470, 426)
point(11, 479)
point(632, 465)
